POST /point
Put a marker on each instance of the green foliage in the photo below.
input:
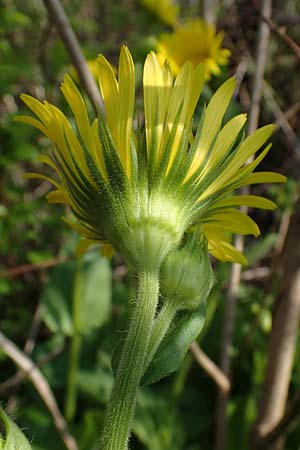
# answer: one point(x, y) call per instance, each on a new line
point(170, 354)
point(14, 439)
point(90, 281)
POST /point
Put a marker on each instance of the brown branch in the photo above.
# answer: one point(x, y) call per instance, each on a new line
point(58, 16)
point(287, 19)
point(283, 231)
point(291, 414)
point(258, 273)
point(28, 348)
point(286, 319)
point(25, 268)
point(42, 386)
point(280, 31)
point(15, 380)
point(279, 367)
point(260, 64)
point(239, 75)
point(210, 368)
point(285, 37)
point(292, 111)
point(282, 121)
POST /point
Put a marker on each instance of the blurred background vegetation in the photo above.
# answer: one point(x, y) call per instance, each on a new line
point(67, 314)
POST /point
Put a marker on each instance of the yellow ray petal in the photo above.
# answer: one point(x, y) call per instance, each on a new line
point(180, 98)
point(229, 252)
point(212, 121)
point(107, 250)
point(197, 86)
point(36, 123)
point(249, 146)
point(225, 139)
point(109, 90)
point(81, 229)
point(167, 82)
point(246, 200)
point(125, 106)
point(42, 177)
point(37, 107)
point(234, 221)
point(220, 247)
point(156, 99)
point(56, 128)
point(46, 160)
point(77, 105)
point(248, 168)
point(82, 246)
point(263, 177)
point(58, 196)
point(97, 154)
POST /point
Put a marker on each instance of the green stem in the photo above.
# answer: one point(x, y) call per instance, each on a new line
point(120, 410)
point(161, 325)
point(74, 352)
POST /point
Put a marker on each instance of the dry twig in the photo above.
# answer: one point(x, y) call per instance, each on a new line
point(26, 268)
point(15, 380)
point(282, 121)
point(258, 273)
point(28, 348)
point(286, 318)
point(42, 386)
point(280, 31)
point(279, 368)
point(293, 411)
point(58, 16)
point(210, 368)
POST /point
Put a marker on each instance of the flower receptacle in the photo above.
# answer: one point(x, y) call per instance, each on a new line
point(149, 230)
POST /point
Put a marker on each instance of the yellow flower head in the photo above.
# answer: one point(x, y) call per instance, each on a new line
point(195, 41)
point(164, 10)
point(141, 193)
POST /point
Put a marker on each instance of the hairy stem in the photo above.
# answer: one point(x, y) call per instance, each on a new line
point(161, 325)
point(120, 410)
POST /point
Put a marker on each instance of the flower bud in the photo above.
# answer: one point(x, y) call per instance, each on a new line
point(186, 274)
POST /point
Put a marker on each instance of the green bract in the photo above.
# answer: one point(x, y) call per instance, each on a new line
point(186, 273)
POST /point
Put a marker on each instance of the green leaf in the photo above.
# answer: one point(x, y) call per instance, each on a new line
point(13, 19)
point(154, 424)
point(77, 297)
point(95, 384)
point(95, 308)
point(14, 439)
point(57, 299)
point(40, 424)
point(174, 347)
